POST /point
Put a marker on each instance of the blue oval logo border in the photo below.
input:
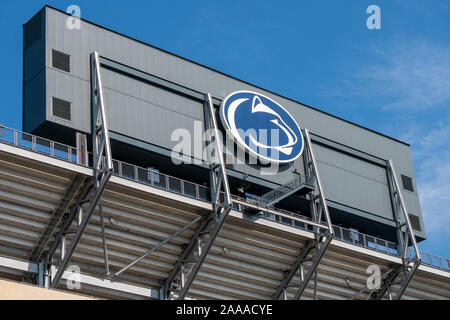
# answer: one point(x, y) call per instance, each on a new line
point(224, 106)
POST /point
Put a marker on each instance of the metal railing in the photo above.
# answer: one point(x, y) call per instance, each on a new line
point(162, 181)
point(122, 169)
point(432, 260)
point(278, 192)
point(38, 144)
point(196, 191)
point(341, 233)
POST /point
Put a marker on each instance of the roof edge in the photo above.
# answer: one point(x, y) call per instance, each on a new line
point(232, 77)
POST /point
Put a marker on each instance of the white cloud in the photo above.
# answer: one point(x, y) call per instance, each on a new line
point(410, 82)
point(431, 155)
point(410, 75)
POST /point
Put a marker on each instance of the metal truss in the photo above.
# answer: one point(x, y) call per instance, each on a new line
point(392, 272)
point(323, 234)
point(56, 218)
point(195, 252)
point(13, 266)
point(92, 191)
point(159, 245)
point(405, 237)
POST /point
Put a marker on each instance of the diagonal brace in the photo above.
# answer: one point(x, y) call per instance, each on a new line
point(159, 245)
point(195, 252)
point(317, 256)
point(294, 267)
point(57, 218)
point(102, 169)
point(319, 209)
point(409, 266)
point(95, 197)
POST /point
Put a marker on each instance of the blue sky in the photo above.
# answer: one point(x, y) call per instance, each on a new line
point(395, 80)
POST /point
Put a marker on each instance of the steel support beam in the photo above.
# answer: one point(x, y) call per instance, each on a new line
point(405, 235)
point(105, 247)
point(316, 258)
point(323, 232)
point(159, 245)
point(289, 274)
point(102, 170)
point(19, 265)
point(94, 282)
point(194, 254)
point(393, 272)
point(387, 282)
point(56, 218)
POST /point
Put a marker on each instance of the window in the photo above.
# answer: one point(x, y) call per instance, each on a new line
point(60, 61)
point(61, 109)
point(407, 183)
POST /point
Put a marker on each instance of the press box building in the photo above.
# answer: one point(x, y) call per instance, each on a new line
point(260, 237)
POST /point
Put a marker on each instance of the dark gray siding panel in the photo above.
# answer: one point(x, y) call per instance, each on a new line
point(353, 182)
point(127, 86)
point(34, 72)
point(151, 122)
point(34, 100)
point(153, 112)
point(34, 60)
point(63, 86)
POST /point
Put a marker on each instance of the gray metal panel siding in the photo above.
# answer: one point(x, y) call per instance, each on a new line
point(413, 207)
point(153, 112)
point(156, 62)
point(80, 43)
point(151, 123)
point(64, 86)
point(353, 182)
point(125, 85)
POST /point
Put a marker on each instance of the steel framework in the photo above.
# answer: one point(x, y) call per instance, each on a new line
point(424, 280)
point(57, 216)
point(92, 191)
point(405, 236)
point(194, 254)
point(323, 235)
point(83, 196)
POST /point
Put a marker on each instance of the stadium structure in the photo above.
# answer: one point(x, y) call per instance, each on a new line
point(89, 185)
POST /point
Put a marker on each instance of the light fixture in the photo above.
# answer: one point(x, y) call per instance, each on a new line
point(241, 189)
point(244, 186)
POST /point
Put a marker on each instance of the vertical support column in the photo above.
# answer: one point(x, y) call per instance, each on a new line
point(42, 275)
point(405, 237)
point(395, 211)
point(81, 145)
point(105, 247)
point(102, 170)
point(79, 214)
point(319, 245)
point(63, 246)
point(195, 252)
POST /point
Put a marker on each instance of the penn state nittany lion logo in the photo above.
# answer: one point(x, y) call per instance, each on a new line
point(262, 126)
